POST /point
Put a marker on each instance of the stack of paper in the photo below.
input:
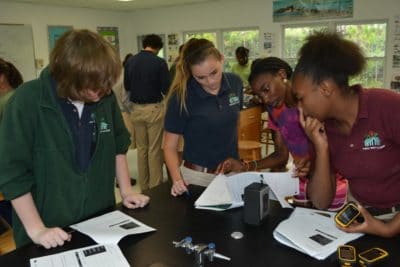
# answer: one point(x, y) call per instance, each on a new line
point(111, 227)
point(93, 256)
point(226, 192)
point(312, 232)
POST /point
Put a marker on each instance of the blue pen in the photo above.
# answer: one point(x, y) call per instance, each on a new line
point(187, 192)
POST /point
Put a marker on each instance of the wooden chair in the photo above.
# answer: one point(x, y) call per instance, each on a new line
point(249, 133)
point(249, 150)
point(7, 243)
point(266, 133)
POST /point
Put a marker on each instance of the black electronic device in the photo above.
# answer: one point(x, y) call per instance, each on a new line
point(372, 257)
point(256, 198)
point(347, 214)
point(347, 255)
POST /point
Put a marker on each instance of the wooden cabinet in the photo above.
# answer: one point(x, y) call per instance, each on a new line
point(250, 124)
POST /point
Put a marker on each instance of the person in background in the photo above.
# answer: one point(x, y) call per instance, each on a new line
point(355, 131)
point(10, 78)
point(147, 80)
point(172, 69)
point(270, 81)
point(125, 105)
point(242, 66)
point(203, 107)
point(63, 142)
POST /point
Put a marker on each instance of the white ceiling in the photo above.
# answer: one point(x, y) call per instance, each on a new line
point(111, 4)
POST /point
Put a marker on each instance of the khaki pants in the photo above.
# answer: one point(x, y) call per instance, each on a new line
point(147, 121)
point(197, 178)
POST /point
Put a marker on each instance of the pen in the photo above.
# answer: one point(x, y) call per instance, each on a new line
point(187, 192)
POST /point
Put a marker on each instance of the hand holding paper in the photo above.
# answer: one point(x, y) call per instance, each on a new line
point(226, 192)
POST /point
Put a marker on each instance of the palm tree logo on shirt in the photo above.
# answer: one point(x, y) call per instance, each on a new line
point(104, 126)
point(372, 141)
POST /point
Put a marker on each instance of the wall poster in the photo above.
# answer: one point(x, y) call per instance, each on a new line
point(111, 35)
point(55, 32)
point(291, 10)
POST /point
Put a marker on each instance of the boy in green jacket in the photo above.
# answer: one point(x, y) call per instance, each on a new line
point(63, 141)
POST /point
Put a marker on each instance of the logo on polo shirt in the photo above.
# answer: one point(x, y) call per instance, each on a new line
point(233, 99)
point(104, 126)
point(372, 141)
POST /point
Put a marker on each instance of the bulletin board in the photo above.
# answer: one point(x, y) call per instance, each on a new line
point(16, 46)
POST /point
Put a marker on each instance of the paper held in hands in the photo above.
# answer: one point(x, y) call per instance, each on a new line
point(111, 227)
point(312, 232)
point(226, 192)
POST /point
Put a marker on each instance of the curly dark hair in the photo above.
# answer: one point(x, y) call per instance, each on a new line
point(12, 74)
point(153, 41)
point(327, 55)
point(269, 65)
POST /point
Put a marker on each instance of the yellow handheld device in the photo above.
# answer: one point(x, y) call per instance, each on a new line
point(372, 256)
point(347, 214)
point(346, 255)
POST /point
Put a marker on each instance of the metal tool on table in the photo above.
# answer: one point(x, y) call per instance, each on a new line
point(201, 251)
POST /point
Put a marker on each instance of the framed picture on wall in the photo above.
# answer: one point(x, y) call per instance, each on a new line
point(294, 10)
point(55, 32)
point(111, 35)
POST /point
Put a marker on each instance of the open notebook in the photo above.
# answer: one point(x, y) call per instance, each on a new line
point(226, 192)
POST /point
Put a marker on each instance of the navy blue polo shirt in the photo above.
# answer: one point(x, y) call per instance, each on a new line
point(146, 78)
point(83, 129)
point(209, 127)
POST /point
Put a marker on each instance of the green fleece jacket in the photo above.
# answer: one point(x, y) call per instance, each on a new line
point(37, 155)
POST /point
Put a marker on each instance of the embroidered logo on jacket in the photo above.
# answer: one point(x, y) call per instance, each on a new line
point(233, 100)
point(104, 126)
point(372, 141)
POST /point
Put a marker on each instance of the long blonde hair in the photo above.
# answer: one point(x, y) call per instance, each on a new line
point(195, 51)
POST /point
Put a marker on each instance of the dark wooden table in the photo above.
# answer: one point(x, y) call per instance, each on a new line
point(176, 218)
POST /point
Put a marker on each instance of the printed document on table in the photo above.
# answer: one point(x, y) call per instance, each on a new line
point(111, 227)
point(226, 192)
point(312, 232)
point(93, 256)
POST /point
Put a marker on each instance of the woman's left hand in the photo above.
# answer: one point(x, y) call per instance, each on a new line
point(135, 200)
point(370, 225)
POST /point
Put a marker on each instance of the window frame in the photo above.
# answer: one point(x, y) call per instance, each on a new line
point(332, 27)
point(220, 37)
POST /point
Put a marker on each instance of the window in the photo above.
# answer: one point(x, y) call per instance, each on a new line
point(211, 36)
point(371, 37)
point(293, 39)
point(228, 40)
point(234, 39)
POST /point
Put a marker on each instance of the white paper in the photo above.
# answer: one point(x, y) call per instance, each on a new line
point(312, 232)
point(226, 192)
point(92, 256)
point(111, 227)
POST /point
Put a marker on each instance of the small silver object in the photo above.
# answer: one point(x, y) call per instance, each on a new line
point(236, 235)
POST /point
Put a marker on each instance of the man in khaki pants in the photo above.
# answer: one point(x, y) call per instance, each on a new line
point(147, 80)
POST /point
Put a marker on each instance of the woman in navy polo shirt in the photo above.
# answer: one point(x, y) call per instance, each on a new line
point(355, 131)
point(203, 107)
